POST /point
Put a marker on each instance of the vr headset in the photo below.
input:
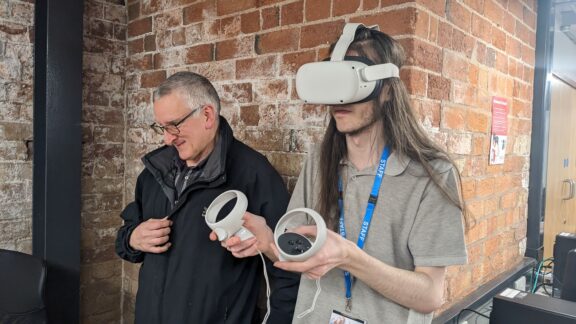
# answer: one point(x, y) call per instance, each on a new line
point(343, 79)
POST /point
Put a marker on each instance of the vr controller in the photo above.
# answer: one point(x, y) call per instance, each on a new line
point(231, 224)
point(343, 79)
point(296, 247)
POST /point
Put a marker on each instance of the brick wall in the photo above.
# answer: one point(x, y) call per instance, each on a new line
point(16, 76)
point(103, 137)
point(461, 53)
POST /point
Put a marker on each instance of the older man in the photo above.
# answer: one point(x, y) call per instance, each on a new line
point(186, 277)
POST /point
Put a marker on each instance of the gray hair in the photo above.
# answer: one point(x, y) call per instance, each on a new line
point(195, 89)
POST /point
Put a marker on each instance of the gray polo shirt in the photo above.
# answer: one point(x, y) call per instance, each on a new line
point(413, 224)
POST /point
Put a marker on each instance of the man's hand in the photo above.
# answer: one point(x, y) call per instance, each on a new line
point(151, 236)
point(261, 241)
point(333, 254)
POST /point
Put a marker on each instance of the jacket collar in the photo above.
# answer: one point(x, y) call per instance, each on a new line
point(160, 162)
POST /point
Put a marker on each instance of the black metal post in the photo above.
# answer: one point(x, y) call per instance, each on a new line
point(58, 152)
point(539, 143)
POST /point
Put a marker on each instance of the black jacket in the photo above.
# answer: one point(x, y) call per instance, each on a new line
point(196, 280)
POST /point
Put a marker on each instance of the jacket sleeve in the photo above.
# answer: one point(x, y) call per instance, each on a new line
point(132, 216)
point(272, 197)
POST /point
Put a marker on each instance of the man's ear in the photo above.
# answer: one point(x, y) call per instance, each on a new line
point(210, 116)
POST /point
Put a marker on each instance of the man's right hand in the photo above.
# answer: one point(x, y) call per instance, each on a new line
point(151, 236)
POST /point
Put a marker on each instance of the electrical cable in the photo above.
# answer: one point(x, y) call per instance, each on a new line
point(267, 289)
point(470, 310)
point(538, 273)
point(311, 309)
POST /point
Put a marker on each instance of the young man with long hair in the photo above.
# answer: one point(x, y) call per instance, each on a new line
point(416, 228)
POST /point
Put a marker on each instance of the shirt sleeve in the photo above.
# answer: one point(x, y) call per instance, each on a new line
point(437, 235)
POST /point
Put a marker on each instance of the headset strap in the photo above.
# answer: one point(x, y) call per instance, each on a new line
point(346, 39)
point(380, 71)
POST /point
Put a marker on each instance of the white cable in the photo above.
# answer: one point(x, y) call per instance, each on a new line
point(267, 289)
point(311, 309)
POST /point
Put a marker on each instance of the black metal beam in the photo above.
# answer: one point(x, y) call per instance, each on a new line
point(485, 292)
point(58, 152)
point(539, 142)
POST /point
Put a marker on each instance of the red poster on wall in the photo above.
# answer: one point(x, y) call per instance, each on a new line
point(499, 136)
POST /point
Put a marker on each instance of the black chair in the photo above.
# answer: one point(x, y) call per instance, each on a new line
point(22, 281)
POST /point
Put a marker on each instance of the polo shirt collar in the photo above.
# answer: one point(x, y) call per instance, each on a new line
point(395, 166)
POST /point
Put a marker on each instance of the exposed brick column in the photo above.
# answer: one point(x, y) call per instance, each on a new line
point(16, 77)
point(103, 125)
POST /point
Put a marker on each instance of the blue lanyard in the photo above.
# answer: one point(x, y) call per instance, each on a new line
point(367, 217)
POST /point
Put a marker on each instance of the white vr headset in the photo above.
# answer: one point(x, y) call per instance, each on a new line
point(343, 79)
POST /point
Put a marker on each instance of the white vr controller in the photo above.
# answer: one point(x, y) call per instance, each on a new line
point(231, 224)
point(343, 79)
point(296, 247)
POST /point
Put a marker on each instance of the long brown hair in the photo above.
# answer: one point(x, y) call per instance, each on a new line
point(402, 131)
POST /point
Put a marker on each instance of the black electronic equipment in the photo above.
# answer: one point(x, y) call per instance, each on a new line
point(569, 284)
point(513, 306)
point(564, 243)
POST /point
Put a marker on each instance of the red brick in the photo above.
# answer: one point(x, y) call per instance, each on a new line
point(509, 23)
point(250, 115)
point(233, 48)
point(150, 43)
point(179, 37)
point(270, 17)
point(423, 55)
point(344, 7)
point(429, 112)
point(237, 93)
point(291, 62)
point(318, 9)
point(475, 209)
point(133, 11)
point(463, 43)
point(370, 4)
point(415, 80)
point(480, 52)
point(136, 46)
point(464, 93)
point(256, 68)
point(152, 79)
point(526, 35)
point(230, 26)
point(143, 63)
point(445, 32)
point(459, 15)
point(498, 38)
point(433, 34)
point(250, 22)
point(262, 3)
point(168, 20)
point(516, 8)
point(481, 28)
point(509, 200)
point(422, 27)
point(292, 13)
point(455, 66)
point(271, 90)
point(320, 34)
point(468, 188)
point(529, 18)
point(493, 12)
point(226, 7)
point(473, 73)
point(476, 5)
point(193, 13)
point(436, 6)
point(395, 22)
point(139, 27)
point(284, 40)
point(453, 117)
point(438, 87)
point(477, 121)
point(478, 145)
point(199, 54)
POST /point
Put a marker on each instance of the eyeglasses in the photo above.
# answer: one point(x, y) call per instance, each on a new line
point(172, 128)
